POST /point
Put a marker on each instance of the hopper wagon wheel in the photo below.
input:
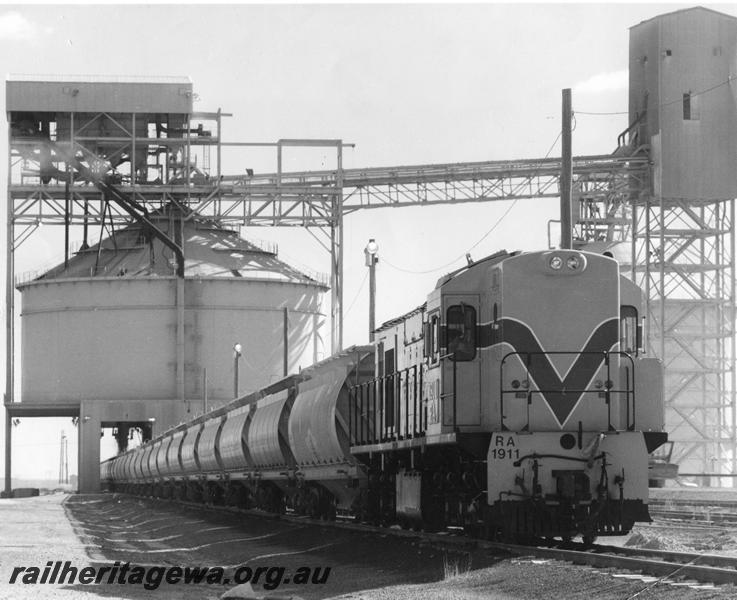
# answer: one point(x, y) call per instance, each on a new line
point(278, 502)
point(588, 538)
point(326, 509)
point(261, 498)
point(331, 512)
point(313, 504)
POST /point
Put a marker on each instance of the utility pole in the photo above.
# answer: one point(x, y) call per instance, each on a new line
point(237, 351)
point(371, 252)
point(63, 459)
point(566, 174)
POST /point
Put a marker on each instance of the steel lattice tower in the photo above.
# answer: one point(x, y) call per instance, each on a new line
point(682, 106)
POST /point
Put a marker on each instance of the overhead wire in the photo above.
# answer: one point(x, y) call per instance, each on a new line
point(664, 104)
point(358, 293)
point(493, 227)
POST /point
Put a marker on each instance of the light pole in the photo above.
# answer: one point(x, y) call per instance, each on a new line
point(237, 350)
point(372, 257)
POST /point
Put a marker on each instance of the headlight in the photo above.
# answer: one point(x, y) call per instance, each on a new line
point(556, 263)
point(573, 263)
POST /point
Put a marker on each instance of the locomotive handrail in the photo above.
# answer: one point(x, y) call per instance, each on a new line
point(535, 455)
point(368, 402)
point(451, 356)
point(607, 386)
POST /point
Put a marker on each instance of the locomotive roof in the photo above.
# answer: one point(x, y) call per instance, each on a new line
point(400, 318)
point(492, 258)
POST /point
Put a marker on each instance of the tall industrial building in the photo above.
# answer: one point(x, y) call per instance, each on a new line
point(683, 107)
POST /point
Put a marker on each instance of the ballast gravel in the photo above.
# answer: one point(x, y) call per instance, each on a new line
point(36, 530)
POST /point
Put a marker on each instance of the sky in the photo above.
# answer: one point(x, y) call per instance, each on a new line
point(407, 84)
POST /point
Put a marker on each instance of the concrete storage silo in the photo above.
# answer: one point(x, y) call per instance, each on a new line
point(107, 331)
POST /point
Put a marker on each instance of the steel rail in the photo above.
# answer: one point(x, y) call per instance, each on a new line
point(696, 516)
point(681, 502)
point(721, 569)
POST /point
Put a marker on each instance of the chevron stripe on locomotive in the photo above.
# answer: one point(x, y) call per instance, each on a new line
point(515, 403)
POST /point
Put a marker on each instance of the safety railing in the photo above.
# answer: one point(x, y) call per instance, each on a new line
point(601, 387)
point(388, 408)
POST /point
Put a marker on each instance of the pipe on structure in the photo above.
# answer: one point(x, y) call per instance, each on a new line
point(179, 300)
point(286, 341)
point(9, 322)
point(8, 447)
point(566, 174)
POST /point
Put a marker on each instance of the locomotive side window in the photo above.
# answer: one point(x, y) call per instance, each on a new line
point(461, 331)
point(628, 334)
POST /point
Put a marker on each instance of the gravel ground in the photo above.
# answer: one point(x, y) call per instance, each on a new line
point(532, 579)
point(94, 530)
point(527, 579)
point(33, 531)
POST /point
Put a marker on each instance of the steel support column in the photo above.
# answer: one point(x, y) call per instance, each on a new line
point(336, 278)
point(9, 321)
point(8, 449)
point(685, 263)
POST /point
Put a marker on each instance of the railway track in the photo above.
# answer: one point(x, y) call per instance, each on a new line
point(663, 564)
point(695, 517)
point(714, 513)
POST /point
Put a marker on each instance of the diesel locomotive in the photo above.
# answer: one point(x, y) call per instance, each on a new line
point(515, 403)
